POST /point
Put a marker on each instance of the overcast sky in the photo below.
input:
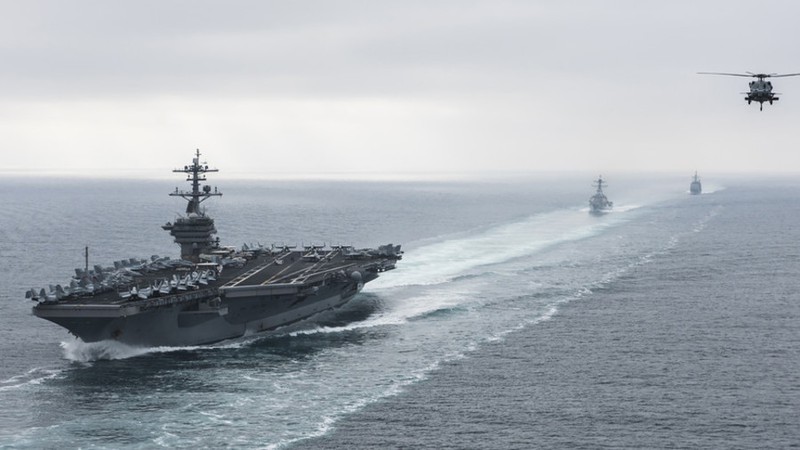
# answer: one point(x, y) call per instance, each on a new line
point(386, 87)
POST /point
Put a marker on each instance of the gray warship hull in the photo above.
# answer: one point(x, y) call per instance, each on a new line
point(244, 302)
point(599, 203)
point(695, 187)
point(600, 206)
point(212, 293)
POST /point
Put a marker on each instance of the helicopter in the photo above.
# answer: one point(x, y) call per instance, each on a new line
point(761, 89)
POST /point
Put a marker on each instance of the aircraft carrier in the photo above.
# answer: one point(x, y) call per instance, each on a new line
point(212, 292)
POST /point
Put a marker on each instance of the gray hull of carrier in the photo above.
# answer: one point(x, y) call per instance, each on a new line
point(212, 293)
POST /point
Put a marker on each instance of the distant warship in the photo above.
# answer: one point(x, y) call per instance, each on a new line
point(212, 292)
point(598, 203)
point(695, 187)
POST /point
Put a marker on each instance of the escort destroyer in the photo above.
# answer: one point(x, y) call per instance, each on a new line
point(212, 292)
point(599, 203)
point(695, 188)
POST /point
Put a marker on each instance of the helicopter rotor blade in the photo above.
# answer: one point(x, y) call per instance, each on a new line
point(729, 74)
point(775, 75)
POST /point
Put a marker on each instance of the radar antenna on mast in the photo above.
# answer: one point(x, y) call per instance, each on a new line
point(195, 174)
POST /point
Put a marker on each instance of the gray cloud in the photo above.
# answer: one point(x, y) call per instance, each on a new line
point(412, 85)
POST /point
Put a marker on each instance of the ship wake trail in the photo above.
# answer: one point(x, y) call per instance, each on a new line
point(447, 277)
point(33, 377)
point(83, 352)
point(444, 261)
point(79, 351)
point(424, 304)
point(443, 278)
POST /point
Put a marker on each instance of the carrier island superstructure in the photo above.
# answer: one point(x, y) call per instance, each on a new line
point(212, 292)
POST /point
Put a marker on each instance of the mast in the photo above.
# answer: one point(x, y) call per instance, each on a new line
point(195, 173)
point(599, 184)
point(195, 232)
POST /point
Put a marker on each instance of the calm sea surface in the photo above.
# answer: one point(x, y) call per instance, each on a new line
point(515, 319)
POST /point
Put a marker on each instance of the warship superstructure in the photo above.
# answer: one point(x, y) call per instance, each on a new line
point(598, 203)
point(695, 188)
point(212, 292)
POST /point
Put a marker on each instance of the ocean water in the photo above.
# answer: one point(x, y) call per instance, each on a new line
point(515, 320)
